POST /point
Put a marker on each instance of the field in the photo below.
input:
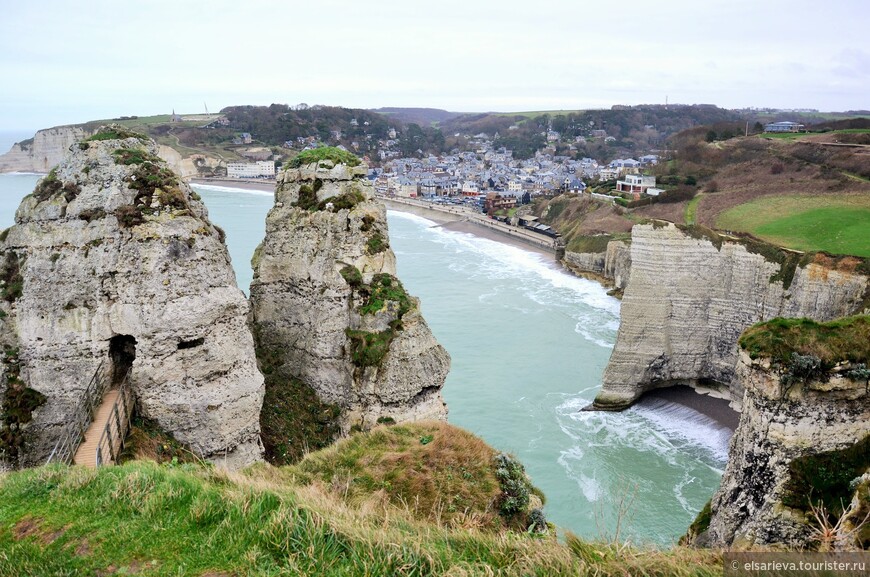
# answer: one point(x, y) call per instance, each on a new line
point(536, 113)
point(838, 225)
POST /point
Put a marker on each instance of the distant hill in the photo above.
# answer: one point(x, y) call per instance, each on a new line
point(421, 116)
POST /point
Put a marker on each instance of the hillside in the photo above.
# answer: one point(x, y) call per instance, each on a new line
point(147, 519)
point(421, 116)
point(806, 191)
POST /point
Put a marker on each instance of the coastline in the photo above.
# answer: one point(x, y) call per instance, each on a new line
point(713, 407)
point(473, 222)
point(456, 219)
point(260, 185)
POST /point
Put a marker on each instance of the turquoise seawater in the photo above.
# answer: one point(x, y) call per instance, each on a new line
point(529, 344)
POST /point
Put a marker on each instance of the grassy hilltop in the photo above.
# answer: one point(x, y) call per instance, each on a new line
point(346, 510)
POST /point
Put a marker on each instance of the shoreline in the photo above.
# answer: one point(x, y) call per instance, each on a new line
point(473, 222)
point(717, 409)
point(259, 185)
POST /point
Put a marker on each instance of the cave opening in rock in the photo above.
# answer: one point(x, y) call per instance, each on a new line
point(122, 353)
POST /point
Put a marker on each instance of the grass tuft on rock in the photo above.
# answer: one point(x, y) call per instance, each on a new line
point(844, 339)
point(441, 473)
point(317, 155)
point(377, 243)
point(383, 288)
point(115, 132)
point(368, 349)
point(826, 478)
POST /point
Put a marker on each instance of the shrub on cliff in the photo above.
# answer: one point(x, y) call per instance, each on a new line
point(440, 472)
point(48, 186)
point(385, 287)
point(317, 155)
point(115, 132)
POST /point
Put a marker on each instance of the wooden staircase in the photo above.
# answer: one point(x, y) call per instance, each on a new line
point(95, 433)
point(87, 452)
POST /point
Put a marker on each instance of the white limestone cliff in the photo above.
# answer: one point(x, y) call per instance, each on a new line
point(781, 423)
point(115, 250)
point(325, 252)
point(49, 146)
point(688, 300)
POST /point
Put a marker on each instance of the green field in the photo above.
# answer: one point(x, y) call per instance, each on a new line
point(536, 113)
point(783, 135)
point(838, 225)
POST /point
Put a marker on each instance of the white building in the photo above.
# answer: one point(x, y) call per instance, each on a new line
point(259, 169)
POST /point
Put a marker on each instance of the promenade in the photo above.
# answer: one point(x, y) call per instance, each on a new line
point(445, 214)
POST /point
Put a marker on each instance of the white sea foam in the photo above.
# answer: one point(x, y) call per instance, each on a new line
point(580, 457)
point(411, 217)
point(218, 188)
point(504, 261)
point(678, 493)
point(16, 173)
point(685, 425)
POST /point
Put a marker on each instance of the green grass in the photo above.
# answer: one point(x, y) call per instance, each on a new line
point(535, 113)
point(316, 155)
point(590, 244)
point(834, 224)
point(692, 209)
point(783, 135)
point(190, 520)
point(442, 473)
point(826, 477)
point(844, 339)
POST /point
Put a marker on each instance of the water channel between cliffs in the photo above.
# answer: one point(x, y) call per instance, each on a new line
point(529, 345)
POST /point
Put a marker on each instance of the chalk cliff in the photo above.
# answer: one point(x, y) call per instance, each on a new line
point(45, 150)
point(690, 295)
point(327, 303)
point(799, 438)
point(49, 146)
point(113, 261)
point(612, 267)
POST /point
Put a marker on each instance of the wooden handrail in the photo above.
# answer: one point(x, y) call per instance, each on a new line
point(117, 426)
point(65, 449)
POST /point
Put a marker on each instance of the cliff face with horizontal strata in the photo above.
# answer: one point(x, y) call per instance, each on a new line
point(49, 146)
point(688, 300)
point(612, 267)
point(326, 300)
point(107, 260)
point(781, 423)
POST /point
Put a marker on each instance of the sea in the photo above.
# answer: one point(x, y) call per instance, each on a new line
point(529, 343)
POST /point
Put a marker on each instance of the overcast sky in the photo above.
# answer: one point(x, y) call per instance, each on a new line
point(64, 62)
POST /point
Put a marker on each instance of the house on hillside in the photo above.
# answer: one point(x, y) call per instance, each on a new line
point(784, 126)
point(574, 185)
point(637, 184)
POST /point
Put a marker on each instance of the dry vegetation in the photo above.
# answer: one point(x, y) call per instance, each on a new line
point(193, 520)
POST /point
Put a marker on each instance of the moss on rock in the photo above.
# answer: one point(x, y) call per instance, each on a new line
point(317, 155)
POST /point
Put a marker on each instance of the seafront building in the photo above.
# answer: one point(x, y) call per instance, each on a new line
point(259, 169)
